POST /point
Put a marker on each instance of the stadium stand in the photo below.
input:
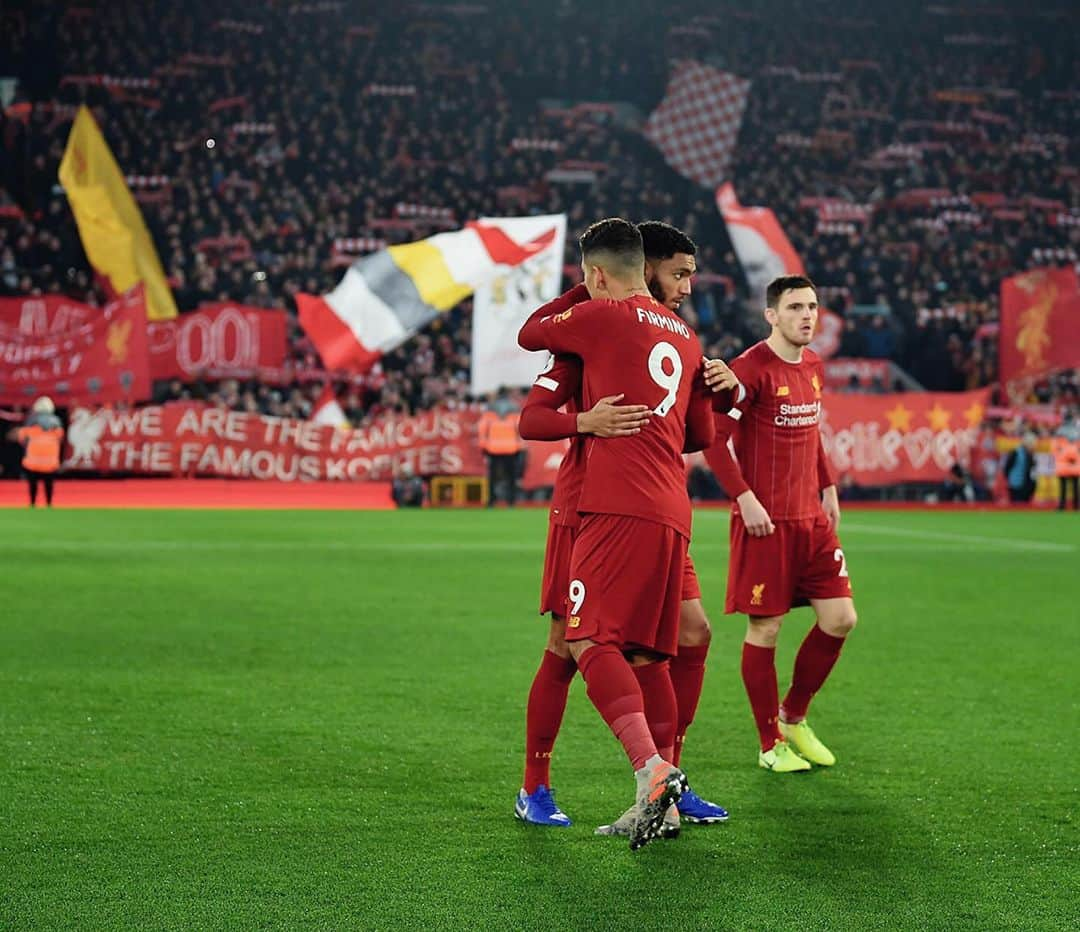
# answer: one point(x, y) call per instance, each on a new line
point(924, 158)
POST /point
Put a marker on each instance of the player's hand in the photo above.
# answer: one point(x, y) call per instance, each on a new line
point(755, 517)
point(607, 418)
point(830, 504)
point(718, 376)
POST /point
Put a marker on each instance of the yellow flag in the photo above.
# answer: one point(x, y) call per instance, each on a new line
point(111, 226)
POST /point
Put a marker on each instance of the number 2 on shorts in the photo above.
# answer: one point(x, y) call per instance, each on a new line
point(577, 595)
point(661, 353)
point(838, 556)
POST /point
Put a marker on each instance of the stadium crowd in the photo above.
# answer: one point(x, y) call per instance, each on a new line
point(924, 158)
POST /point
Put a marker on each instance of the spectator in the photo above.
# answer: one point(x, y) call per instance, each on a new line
point(42, 437)
point(878, 339)
point(407, 488)
point(1020, 470)
point(851, 343)
point(1066, 447)
point(502, 445)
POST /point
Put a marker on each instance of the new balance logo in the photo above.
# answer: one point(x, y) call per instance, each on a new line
point(574, 621)
point(782, 391)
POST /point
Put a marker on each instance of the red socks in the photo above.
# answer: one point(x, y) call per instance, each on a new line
point(759, 677)
point(543, 716)
point(687, 675)
point(661, 710)
point(813, 664)
point(613, 689)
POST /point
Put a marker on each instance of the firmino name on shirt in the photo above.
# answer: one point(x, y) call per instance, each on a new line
point(663, 322)
point(798, 415)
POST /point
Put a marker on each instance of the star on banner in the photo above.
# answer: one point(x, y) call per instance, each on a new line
point(900, 418)
point(938, 417)
point(974, 414)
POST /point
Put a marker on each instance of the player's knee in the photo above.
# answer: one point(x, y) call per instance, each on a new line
point(845, 621)
point(556, 642)
point(694, 628)
point(764, 631)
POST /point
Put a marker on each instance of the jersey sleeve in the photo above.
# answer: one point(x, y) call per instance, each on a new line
point(556, 384)
point(572, 331)
point(721, 455)
point(824, 470)
point(576, 295)
point(700, 426)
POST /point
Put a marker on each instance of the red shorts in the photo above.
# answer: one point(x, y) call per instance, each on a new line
point(560, 544)
point(691, 588)
point(626, 581)
point(801, 560)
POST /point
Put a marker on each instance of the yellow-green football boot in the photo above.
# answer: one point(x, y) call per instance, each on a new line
point(782, 759)
point(807, 743)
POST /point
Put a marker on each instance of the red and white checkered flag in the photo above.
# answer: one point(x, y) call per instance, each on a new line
point(697, 123)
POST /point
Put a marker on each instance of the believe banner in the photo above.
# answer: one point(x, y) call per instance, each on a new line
point(218, 341)
point(906, 437)
point(503, 303)
point(99, 362)
point(1040, 314)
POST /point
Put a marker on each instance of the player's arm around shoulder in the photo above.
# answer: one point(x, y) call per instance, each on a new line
point(555, 384)
point(700, 424)
point(539, 331)
point(558, 305)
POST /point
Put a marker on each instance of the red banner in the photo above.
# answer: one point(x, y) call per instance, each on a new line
point(829, 333)
point(218, 341)
point(1040, 314)
point(185, 439)
point(907, 437)
point(46, 315)
point(542, 463)
point(101, 361)
point(840, 369)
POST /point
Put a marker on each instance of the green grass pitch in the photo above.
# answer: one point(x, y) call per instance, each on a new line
point(287, 720)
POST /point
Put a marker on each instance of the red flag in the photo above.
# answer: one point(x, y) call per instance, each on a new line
point(1040, 312)
point(765, 252)
point(102, 360)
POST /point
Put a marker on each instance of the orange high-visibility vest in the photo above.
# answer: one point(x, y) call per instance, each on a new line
point(1066, 456)
point(499, 435)
point(42, 447)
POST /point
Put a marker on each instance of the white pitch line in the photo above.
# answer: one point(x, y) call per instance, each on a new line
point(1003, 542)
point(960, 544)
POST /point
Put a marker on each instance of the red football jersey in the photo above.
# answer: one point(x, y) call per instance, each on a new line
point(638, 348)
point(774, 428)
point(559, 385)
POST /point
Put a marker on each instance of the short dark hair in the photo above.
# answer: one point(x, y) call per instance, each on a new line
point(778, 286)
point(662, 240)
point(616, 237)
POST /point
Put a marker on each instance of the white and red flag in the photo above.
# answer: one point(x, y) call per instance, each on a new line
point(697, 123)
point(765, 253)
point(327, 410)
point(388, 296)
